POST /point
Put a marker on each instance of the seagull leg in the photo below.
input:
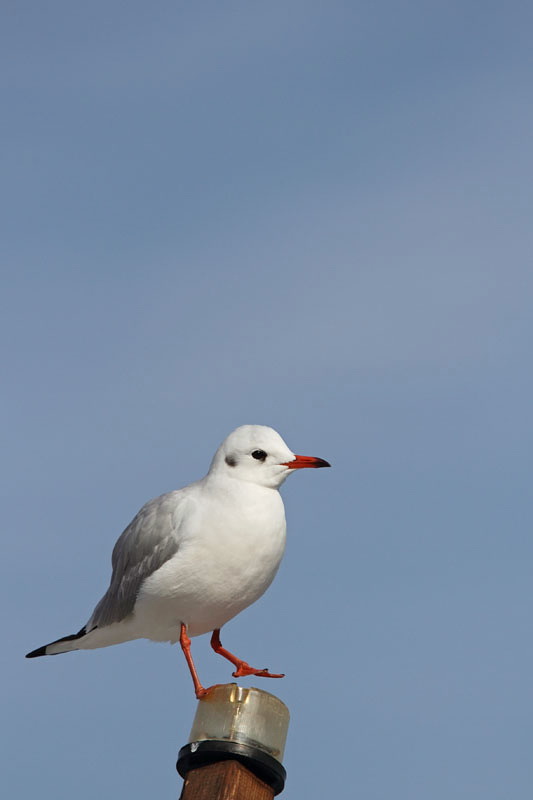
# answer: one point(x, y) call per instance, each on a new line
point(185, 643)
point(242, 667)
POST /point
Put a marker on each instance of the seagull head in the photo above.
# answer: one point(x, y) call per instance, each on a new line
point(258, 454)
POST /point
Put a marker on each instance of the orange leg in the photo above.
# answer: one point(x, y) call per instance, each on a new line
point(242, 667)
point(185, 643)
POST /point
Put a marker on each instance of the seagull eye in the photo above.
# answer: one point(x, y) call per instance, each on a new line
point(259, 454)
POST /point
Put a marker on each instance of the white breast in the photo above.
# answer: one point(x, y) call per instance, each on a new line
point(231, 546)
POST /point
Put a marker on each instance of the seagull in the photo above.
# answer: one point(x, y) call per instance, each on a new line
point(194, 558)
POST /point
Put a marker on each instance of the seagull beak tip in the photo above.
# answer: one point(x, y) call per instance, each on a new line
point(299, 462)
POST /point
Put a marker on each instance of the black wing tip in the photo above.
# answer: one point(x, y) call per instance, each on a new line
point(41, 651)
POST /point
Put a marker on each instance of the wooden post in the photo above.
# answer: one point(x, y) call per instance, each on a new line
point(226, 780)
point(235, 747)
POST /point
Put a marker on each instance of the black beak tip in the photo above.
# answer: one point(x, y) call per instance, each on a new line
point(323, 463)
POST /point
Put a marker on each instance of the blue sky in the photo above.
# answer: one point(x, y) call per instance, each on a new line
point(315, 216)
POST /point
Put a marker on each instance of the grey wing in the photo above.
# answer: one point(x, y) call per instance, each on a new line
point(151, 539)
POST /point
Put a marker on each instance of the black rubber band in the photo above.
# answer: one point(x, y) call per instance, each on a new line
point(200, 754)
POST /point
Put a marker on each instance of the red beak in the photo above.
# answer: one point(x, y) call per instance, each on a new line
point(306, 461)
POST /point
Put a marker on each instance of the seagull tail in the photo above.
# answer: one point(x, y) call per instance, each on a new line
point(64, 645)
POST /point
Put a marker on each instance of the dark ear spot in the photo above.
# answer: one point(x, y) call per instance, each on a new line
point(231, 461)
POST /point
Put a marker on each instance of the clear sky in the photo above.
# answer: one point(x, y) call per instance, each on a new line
point(310, 215)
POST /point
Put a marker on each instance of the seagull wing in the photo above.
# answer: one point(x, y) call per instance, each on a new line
point(149, 541)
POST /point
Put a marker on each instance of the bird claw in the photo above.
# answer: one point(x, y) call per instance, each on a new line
point(245, 669)
point(202, 693)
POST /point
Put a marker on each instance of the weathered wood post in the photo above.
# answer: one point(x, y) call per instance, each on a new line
point(235, 747)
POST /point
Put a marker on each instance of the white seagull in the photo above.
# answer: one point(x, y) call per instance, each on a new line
point(194, 558)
